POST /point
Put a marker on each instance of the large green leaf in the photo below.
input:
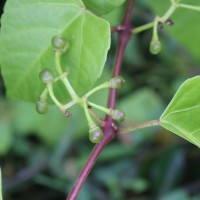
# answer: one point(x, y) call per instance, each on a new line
point(185, 29)
point(182, 116)
point(25, 45)
point(102, 6)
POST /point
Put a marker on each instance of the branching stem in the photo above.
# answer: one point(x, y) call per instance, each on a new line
point(99, 87)
point(51, 94)
point(91, 123)
point(124, 30)
point(196, 8)
point(162, 19)
point(57, 63)
point(109, 130)
point(103, 109)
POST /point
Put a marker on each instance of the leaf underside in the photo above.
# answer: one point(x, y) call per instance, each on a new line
point(182, 116)
point(25, 45)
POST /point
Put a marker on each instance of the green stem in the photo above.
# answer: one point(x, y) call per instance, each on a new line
point(155, 27)
point(169, 12)
point(69, 88)
point(99, 87)
point(105, 110)
point(196, 8)
point(68, 105)
point(45, 90)
point(142, 28)
point(129, 129)
point(44, 95)
point(98, 119)
point(57, 63)
point(91, 123)
point(51, 94)
point(162, 19)
point(63, 77)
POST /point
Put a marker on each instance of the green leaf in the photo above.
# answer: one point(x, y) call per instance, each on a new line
point(102, 6)
point(115, 16)
point(185, 29)
point(25, 45)
point(182, 114)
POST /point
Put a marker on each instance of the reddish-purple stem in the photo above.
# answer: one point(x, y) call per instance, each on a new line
point(109, 128)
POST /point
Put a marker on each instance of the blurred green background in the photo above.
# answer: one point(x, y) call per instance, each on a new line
point(41, 155)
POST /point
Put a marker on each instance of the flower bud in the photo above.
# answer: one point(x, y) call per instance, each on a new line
point(155, 47)
point(118, 115)
point(46, 76)
point(41, 107)
point(59, 43)
point(95, 134)
point(117, 82)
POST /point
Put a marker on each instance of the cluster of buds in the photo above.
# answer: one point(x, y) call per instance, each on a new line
point(60, 45)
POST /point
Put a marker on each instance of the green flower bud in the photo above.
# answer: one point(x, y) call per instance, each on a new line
point(117, 82)
point(41, 107)
point(155, 47)
point(95, 134)
point(118, 115)
point(46, 76)
point(59, 43)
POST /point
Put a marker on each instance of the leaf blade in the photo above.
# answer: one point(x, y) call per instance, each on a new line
point(182, 114)
point(26, 45)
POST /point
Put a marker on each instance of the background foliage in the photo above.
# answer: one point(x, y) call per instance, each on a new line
point(42, 155)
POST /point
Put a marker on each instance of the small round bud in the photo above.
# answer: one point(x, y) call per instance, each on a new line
point(41, 107)
point(155, 47)
point(117, 82)
point(95, 134)
point(59, 43)
point(46, 76)
point(118, 115)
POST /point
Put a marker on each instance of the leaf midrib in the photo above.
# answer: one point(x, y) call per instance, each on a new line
point(181, 110)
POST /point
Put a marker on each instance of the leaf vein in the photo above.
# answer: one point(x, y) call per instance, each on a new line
point(182, 110)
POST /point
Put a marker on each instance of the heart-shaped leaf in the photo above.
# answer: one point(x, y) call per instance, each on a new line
point(25, 45)
point(182, 116)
